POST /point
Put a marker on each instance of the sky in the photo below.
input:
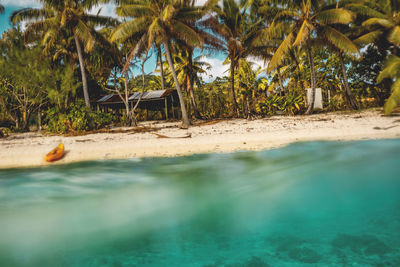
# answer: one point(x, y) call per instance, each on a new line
point(215, 60)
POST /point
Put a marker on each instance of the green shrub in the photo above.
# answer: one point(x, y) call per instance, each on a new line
point(336, 103)
point(76, 118)
point(289, 104)
point(4, 132)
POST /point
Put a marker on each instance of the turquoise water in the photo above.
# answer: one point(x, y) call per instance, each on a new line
point(308, 204)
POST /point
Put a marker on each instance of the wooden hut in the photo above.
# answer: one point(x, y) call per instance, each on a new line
point(159, 100)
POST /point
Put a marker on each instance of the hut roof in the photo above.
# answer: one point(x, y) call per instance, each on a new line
point(148, 96)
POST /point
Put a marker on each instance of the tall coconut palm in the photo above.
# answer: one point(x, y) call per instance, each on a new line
point(383, 29)
point(239, 35)
point(383, 23)
point(160, 22)
point(392, 71)
point(188, 70)
point(70, 16)
point(309, 19)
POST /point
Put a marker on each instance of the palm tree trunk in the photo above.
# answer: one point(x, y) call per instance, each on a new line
point(233, 96)
point(161, 68)
point(191, 83)
point(82, 66)
point(185, 118)
point(313, 80)
point(280, 80)
point(193, 99)
point(129, 116)
point(349, 96)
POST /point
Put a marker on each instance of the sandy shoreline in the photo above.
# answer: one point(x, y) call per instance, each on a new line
point(29, 149)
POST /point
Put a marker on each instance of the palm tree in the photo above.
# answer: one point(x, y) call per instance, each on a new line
point(308, 19)
point(69, 16)
point(160, 22)
point(383, 29)
point(383, 24)
point(188, 69)
point(392, 71)
point(239, 35)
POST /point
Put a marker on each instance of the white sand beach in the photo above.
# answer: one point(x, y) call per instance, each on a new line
point(29, 149)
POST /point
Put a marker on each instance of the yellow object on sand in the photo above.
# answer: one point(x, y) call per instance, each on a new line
point(56, 154)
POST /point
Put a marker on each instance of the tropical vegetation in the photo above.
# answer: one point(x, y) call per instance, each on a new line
point(60, 56)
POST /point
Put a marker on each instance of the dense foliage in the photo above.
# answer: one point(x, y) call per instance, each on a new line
point(349, 48)
point(77, 118)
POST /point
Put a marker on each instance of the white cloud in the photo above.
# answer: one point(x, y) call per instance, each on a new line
point(220, 70)
point(200, 2)
point(217, 68)
point(256, 63)
point(21, 3)
point(105, 10)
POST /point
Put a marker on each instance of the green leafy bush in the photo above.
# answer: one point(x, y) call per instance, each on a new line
point(336, 103)
point(76, 118)
point(289, 104)
point(4, 132)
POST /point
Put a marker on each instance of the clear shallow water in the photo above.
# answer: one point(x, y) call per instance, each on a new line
point(308, 204)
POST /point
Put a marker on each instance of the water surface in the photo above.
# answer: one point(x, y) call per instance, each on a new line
point(308, 204)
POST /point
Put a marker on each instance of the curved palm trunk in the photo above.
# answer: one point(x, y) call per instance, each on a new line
point(82, 67)
point(349, 96)
point(313, 80)
point(161, 68)
point(185, 118)
point(191, 91)
point(233, 96)
point(280, 81)
point(193, 99)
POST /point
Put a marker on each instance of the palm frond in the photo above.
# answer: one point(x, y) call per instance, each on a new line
point(394, 36)
point(394, 99)
point(303, 33)
point(280, 53)
point(187, 34)
point(377, 21)
point(277, 29)
point(368, 38)
point(97, 20)
point(335, 16)
point(168, 12)
point(340, 41)
point(129, 28)
point(134, 10)
point(391, 69)
point(85, 35)
point(364, 10)
point(286, 14)
point(154, 29)
point(30, 14)
point(42, 26)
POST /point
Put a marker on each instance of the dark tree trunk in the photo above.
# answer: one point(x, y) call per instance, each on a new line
point(233, 96)
point(39, 119)
point(348, 93)
point(280, 81)
point(82, 67)
point(185, 118)
point(161, 68)
point(191, 84)
point(129, 114)
point(25, 120)
point(313, 80)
